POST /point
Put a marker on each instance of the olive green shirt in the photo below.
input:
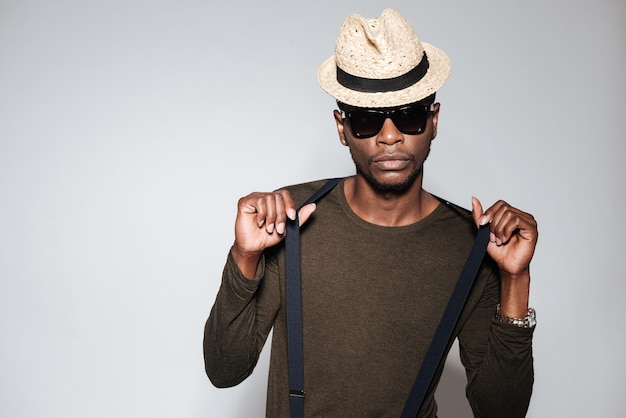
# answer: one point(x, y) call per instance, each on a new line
point(372, 299)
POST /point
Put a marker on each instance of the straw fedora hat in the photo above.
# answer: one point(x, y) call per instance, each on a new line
point(382, 63)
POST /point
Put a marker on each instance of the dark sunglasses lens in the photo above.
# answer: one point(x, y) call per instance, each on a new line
point(411, 120)
point(365, 124)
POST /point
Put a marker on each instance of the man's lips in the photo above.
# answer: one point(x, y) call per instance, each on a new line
point(391, 157)
point(397, 161)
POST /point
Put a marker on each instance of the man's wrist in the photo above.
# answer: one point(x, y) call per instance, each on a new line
point(514, 294)
point(527, 321)
point(246, 261)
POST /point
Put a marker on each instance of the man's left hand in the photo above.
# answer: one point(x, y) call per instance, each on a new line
point(513, 236)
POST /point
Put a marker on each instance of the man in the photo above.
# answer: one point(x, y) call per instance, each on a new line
point(379, 255)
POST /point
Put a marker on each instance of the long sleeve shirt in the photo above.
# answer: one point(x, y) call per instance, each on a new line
point(372, 299)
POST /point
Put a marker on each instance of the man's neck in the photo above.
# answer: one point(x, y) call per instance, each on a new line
point(387, 208)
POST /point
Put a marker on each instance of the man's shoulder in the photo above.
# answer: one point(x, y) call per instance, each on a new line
point(461, 214)
point(461, 210)
point(302, 191)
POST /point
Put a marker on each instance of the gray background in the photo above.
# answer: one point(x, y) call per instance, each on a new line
point(128, 129)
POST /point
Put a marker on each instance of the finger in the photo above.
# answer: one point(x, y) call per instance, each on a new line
point(306, 212)
point(263, 206)
point(285, 208)
point(274, 206)
point(509, 221)
point(493, 216)
point(499, 214)
point(290, 206)
point(281, 213)
point(477, 212)
point(504, 226)
point(516, 222)
point(253, 204)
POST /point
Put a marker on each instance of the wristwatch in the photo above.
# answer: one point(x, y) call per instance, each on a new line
point(529, 321)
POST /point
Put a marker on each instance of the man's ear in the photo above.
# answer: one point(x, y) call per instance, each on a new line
point(340, 130)
point(435, 119)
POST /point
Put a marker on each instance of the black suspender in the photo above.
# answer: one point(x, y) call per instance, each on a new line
point(437, 346)
point(446, 325)
point(293, 289)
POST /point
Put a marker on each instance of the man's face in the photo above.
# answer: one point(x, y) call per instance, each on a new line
point(389, 160)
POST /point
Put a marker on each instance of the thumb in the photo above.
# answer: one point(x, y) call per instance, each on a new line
point(306, 212)
point(477, 212)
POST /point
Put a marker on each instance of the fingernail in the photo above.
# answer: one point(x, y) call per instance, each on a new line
point(280, 228)
point(270, 228)
point(291, 214)
point(484, 220)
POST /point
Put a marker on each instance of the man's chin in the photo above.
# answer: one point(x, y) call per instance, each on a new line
point(397, 185)
point(393, 187)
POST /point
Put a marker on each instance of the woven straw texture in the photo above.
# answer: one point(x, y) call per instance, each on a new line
point(381, 48)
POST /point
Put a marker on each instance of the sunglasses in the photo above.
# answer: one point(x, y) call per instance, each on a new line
point(410, 119)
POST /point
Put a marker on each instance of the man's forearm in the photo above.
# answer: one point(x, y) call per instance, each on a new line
point(514, 294)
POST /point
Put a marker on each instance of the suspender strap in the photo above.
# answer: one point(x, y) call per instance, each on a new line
point(447, 324)
point(293, 290)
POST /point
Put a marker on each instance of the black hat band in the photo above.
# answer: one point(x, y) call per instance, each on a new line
point(380, 85)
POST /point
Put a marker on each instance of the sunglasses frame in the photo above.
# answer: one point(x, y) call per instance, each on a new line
point(388, 114)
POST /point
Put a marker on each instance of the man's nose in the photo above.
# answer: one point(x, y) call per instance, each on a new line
point(389, 134)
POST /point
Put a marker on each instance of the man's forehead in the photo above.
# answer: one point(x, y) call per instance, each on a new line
point(426, 101)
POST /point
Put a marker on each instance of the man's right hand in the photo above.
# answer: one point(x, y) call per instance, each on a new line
point(260, 224)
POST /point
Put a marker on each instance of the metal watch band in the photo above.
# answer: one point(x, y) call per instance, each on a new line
point(529, 321)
